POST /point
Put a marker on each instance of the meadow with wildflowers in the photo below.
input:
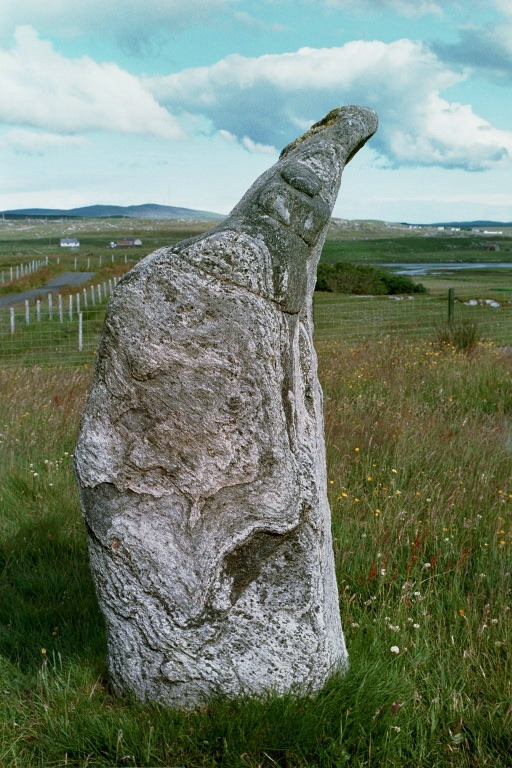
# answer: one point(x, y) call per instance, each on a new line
point(419, 442)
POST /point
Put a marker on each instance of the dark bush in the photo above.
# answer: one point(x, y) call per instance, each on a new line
point(344, 277)
point(464, 335)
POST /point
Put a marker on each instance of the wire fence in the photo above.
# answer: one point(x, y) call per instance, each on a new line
point(21, 270)
point(408, 317)
point(57, 329)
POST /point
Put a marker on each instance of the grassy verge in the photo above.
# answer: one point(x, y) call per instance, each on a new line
point(419, 441)
point(416, 249)
point(353, 319)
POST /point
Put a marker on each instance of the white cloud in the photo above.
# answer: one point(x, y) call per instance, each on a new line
point(503, 6)
point(254, 146)
point(42, 89)
point(416, 8)
point(487, 49)
point(32, 143)
point(265, 99)
point(227, 136)
point(255, 24)
point(131, 22)
point(405, 7)
point(451, 135)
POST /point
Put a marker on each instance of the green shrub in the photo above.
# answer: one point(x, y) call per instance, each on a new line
point(359, 279)
point(464, 335)
point(400, 283)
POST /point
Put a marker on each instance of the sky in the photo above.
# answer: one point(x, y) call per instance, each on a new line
point(187, 102)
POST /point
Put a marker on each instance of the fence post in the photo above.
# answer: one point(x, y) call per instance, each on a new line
point(70, 306)
point(27, 312)
point(80, 332)
point(50, 307)
point(451, 304)
point(38, 310)
point(11, 312)
point(61, 309)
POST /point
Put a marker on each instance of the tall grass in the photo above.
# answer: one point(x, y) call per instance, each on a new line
point(419, 442)
point(464, 334)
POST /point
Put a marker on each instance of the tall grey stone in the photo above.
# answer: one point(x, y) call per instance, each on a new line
point(201, 458)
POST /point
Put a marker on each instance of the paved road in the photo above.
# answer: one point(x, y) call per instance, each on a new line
point(53, 286)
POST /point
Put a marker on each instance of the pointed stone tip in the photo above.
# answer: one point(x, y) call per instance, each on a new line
point(365, 115)
point(362, 120)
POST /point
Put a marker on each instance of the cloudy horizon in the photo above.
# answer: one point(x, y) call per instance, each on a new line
point(185, 105)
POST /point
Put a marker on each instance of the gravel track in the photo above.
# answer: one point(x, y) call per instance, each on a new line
point(53, 286)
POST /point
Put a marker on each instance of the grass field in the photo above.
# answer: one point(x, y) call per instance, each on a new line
point(335, 316)
point(368, 242)
point(359, 318)
point(468, 283)
point(419, 441)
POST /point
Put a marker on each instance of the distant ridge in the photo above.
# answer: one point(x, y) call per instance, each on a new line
point(467, 224)
point(147, 211)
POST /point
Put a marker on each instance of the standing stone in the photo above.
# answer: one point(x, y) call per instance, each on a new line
point(201, 458)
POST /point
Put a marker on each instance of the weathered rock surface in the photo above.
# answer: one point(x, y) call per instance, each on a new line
point(201, 459)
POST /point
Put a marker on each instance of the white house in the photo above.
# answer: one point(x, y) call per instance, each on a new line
point(69, 242)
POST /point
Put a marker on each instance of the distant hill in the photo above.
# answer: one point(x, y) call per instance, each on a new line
point(148, 211)
point(468, 224)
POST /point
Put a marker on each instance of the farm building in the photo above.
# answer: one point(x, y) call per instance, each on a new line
point(129, 242)
point(69, 242)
